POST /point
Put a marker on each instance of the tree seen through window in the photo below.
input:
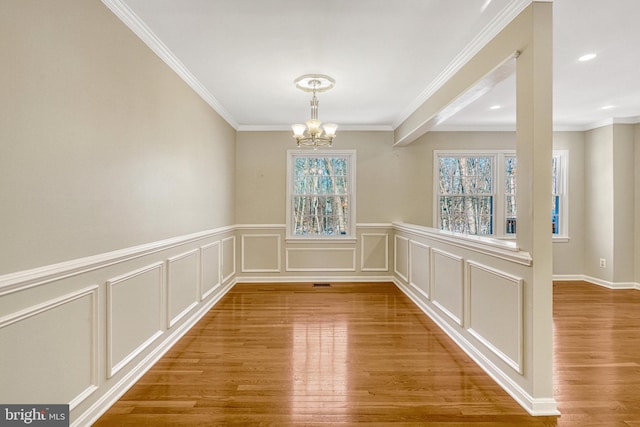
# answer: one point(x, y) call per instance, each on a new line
point(466, 194)
point(321, 195)
point(470, 186)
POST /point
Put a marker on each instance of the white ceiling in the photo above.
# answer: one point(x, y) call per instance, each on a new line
point(386, 57)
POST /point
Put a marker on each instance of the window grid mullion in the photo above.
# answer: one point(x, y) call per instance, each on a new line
point(320, 193)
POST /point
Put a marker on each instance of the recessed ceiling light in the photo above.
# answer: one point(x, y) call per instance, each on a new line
point(495, 107)
point(587, 57)
point(608, 107)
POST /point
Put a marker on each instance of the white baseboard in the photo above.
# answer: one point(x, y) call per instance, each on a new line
point(568, 277)
point(595, 281)
point(536, 407)
point(311, 279)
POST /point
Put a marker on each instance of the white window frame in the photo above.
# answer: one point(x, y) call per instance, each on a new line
point(563, 187)
point(499, 191)
point(351, 158)
point(436, 181)
point(503, 223)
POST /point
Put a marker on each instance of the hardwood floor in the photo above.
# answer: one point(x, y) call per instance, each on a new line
point(597, 355)
point(364, 354)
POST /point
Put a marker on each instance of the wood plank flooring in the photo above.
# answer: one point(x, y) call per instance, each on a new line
point(597, 355)
point(364, 354)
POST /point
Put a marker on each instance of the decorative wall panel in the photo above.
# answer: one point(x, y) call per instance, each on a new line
point(134, 314)
point(401, 258)
point(228, 258)
point(210, 277)
point(52, 324)
point(374, 252)
point(419, 267)
point(52, 356)
point(321, 259)
point(261, 253)
point(182, 285)
point(495, 315)
point(447, 278)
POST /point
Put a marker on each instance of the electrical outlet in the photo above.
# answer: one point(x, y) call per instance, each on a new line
point(603, 263)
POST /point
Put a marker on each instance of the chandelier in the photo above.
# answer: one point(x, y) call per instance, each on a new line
point(312, 134)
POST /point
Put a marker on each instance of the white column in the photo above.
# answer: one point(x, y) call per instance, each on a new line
point(534, 152)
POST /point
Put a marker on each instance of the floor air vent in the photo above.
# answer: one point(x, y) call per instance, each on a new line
point(321, 285)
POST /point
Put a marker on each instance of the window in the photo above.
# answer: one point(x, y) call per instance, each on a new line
point(465, 196)
point(510, 168)
point(321, 194)
point(559, 203)
point(470, 187)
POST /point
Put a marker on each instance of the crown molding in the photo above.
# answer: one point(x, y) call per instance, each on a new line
point(557, 127)
point(634, 120)
point(627, 120)
point(144, 33)
point(507, 15)
point(570, 127)
point(341, 128)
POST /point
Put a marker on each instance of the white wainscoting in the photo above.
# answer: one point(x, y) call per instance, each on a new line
point(266, 255)
point(374, 252)
point(401, 258)
point(69, 332)
point(135, 314)
point(448, 283)
point(261, 253)
point(183, 285)
point(320, 259)
point(210, 274)
point(83, 331)
point(495, 312)
point(228, 258)
point(474, 289)
point(51, 343)
point(420, 268)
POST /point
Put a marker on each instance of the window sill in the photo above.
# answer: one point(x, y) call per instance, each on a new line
point(346, 240)
point(555, 239)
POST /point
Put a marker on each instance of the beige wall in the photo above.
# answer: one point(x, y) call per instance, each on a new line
point(599, 202)
point(568, 256)
point(609, 204)
point(394, 183)
point(390, 181)
point(102, 145)
point(637, 203)
point(623, 203)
